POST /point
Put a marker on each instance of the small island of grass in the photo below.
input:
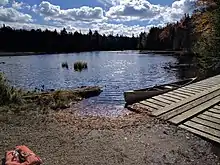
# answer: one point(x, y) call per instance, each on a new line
point(80, 65)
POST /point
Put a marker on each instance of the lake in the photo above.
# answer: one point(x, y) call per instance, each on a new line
point(116, 72)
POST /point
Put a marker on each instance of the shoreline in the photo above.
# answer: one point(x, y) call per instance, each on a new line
point(167, 52)
point(177, 53)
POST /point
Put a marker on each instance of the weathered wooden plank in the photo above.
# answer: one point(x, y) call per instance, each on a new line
point(169, 98)
point(183, 108)
point(157, 102)
point(204, 85)
point(193, 111)
point(201, 96)
point(206, 123)
point(155, 106)
point(178, 94)
point(212, 114)
point(209, 118)
point(217, 107)
point(208, 84)
point(182, 93)
point(203, 128)
point(199, 88)
point(163, 100)
point(196, 88)
point(200, 133)
point(193, 90)
point(214, 110)
point(187, 91)
point(173, 96)
point(209, 81)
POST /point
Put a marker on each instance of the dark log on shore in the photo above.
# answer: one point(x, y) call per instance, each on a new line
point(89, 91)
point(83, 92)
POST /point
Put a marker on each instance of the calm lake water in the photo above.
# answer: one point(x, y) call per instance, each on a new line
point(116, 72)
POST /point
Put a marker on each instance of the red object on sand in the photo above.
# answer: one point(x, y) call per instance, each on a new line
point(22, 155)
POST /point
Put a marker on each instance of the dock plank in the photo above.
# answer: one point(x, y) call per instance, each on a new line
point(196, 88)
point(157, 102)
point(147, 103)
point(203, 128)
point(183, 93)
point(193, 90)
point(217, 107)
point(163, 100)
point(183, 108)
point(173, 96)
point(203, 95)
point(206, 123)
point(200, 133)
point(178, 94)
point(212, 114)
point(204, 85)
point(192, 112)
point(169, 98)
point(209, 118)
point(187, 91)
point(214, 110)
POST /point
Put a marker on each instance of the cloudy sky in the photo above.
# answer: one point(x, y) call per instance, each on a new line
point(106, 16)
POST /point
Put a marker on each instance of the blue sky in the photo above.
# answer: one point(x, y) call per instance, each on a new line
point(107, 16)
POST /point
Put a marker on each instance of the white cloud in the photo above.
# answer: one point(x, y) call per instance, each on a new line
point(54, 12)
point(20, 5)
point(12, 15)
point(127, 10)
point(3, 2)
point(133, 10)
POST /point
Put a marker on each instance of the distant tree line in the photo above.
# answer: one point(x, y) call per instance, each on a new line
point(13, 40)
point(176, 36)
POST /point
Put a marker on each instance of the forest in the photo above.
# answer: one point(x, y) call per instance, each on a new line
point(20, 40)
point(171, 37)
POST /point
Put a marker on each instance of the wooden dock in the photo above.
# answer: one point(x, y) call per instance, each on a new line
point(195, 107)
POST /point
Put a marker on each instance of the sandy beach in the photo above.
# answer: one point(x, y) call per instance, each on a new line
point(62, 137)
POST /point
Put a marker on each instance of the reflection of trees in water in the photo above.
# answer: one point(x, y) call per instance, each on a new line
point(185, 67)
point(187, 72)
point(189, 67)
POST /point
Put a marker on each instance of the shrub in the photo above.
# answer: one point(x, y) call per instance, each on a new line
point(8, 94)
point(79, 66)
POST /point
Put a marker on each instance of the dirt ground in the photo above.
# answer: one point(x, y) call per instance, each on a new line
point(63, 138)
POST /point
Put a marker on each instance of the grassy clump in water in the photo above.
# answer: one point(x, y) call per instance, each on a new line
point(8, 94)
point(65, 65)
point(79, 66)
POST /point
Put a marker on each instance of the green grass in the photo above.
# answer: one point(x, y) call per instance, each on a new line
point(8, 94)
point(80, 65)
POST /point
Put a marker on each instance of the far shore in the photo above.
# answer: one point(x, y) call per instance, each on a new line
point(167, 52)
